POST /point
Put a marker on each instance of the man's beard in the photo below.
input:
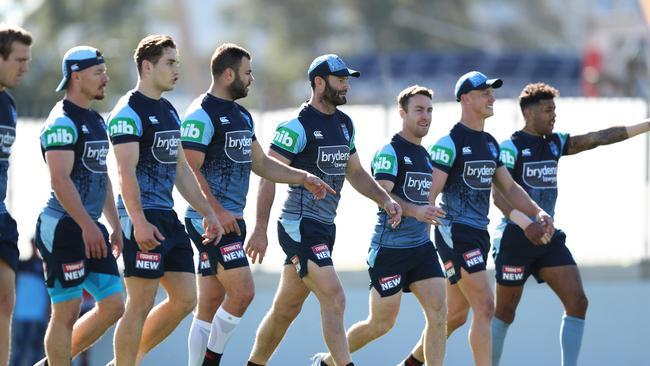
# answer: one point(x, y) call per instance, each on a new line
point(332, 97)
point(237, 89)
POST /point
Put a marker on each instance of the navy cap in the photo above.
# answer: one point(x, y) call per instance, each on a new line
point(329, 65)
point(77, 59)
point(474, 80)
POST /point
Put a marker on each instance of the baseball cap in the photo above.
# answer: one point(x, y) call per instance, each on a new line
point(77, 59)
point(474, 80)
point(329, 64)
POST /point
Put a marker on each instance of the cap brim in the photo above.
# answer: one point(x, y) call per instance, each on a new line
point(495, 83)
point(62, 84)
point(347, 72)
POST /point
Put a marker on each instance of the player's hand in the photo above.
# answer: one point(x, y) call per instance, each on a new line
point(256, 245)
point(117, 243)
point(228, 221)
point(547, 222)
point(429, 214)
point(212, 229)
point(536, 233)
point(317, 187)
point(147, 235)
point(94, 242)
point(394, 211)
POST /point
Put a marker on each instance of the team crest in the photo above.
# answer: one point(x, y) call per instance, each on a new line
point(346, 133)
point(493, 150)
point(554, 150)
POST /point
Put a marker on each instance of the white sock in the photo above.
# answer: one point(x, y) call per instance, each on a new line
point(197, 341)
point(223, 326)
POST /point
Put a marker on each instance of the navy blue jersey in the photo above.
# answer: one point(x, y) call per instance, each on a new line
point(224, 131)
point(155, 125)
point(532, 162)
point(320, 144)
point(70, 127)
point(409, 167)
point(470, 158)
point(7, 137)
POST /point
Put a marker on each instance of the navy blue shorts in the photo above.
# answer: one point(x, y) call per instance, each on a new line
point(463, 246)
point(174, 254)
point(9, 241)
point(306, 239)
point(516, 258)
point(394, 269)
point(229, 251)
point(67, 270)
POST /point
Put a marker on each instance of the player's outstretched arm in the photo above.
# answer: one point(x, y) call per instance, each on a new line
point(429, 214)
point(60, 163)
point(127, 155)
point(110, 213)
point(195, 161)
point(607, 136)
point(364, 184)
point(188, 187)
point(270, 168)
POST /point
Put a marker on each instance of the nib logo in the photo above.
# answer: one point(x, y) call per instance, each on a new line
point(286, 139)
point(384, 163)
point(122, 126)
point(58, 136)
point(192, 131)
point(441, 155)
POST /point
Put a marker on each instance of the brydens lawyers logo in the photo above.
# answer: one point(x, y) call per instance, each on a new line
point(232, 251)
point(205, 261)
point(473, 257)
point(512, 273)
point(390, 282)
point(321, 251)
point(148, 261)
point(73, 271)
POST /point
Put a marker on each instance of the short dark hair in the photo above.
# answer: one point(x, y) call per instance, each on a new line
point(228, 55)
point(10, 34)
point(151, 49)
point(406, 94)
point(533, 93)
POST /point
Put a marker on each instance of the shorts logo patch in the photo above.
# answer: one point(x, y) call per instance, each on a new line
point(321, 251)
point(205, 261)
point(512, 273)
point(232, 251)
point(73, 271)
point(296, 262)
point(449, 268)
point(473, 257)
point(390, 282)
point(148, 261)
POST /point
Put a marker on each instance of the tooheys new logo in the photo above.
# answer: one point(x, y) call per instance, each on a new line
point(540, 174)
point(192, 131)
point(59, 136)
point(94, 157)
point(122, 126)
point(238, 145)
point(7, 138)
point(478, 174)
point(332, 160)
point(165, 146)
point(416, 186)
point(286, 139)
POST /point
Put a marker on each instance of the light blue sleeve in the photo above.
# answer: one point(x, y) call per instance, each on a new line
point(290, 136)
point(508, 154)
point(197, 127)
point(385, 162)
point(564, 138)
point(443, 153)
point(123, 120)
point(58, 132)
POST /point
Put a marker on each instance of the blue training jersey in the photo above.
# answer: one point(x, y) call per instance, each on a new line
point(7, 136)
point(470, 158)
point(320, 144)
point(409, 167)
point(155, 125)
point(70, 127)
point(224, 131)
point(532, 162)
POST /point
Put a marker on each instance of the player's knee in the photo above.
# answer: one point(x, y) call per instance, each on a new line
point(286, 312)
point(186, 303)
point(334, 302)
point(456, 319)
point(242, 298)
point(505, 314)
point(381, 326)
point(578, 307)
point(485, 310)
point(111, 309)
point(6, 304)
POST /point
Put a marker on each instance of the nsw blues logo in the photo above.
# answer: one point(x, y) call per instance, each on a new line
point(493, 150)
point(554, 149)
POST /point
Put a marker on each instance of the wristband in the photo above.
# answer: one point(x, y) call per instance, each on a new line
point(520, 219)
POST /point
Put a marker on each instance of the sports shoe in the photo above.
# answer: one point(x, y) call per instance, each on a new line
point(41, 362)
point(317, 358)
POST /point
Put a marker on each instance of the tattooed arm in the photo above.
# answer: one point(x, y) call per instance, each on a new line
point(605, 137)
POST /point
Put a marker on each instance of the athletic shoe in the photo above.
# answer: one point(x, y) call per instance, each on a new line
point(317, 358)
point(41, 362)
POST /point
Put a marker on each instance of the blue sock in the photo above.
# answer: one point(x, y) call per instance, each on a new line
point(499, 330)
point(570, 339)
